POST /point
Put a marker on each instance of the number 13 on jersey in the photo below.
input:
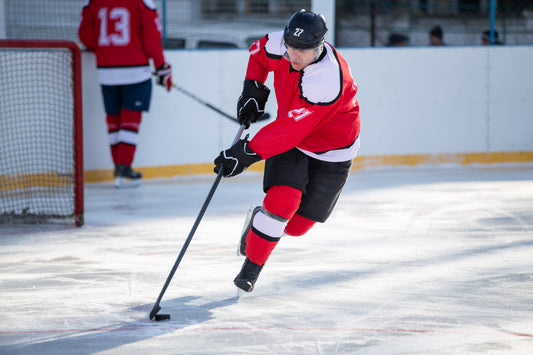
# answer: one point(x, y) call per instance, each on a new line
point(119, 35)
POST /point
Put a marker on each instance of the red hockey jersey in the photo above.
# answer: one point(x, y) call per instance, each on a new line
point(124, 34)
point(317, 110)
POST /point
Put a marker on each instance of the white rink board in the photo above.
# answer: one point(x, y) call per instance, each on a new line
point(414, 100)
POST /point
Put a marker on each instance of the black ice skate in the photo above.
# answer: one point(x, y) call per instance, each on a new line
point(247, 224)
point(125, 176)
point(248, 276)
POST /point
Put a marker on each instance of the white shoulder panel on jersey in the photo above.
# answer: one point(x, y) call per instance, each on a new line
point(149, 4)
point(275, 44)
point(87, 2)
point(322, 81)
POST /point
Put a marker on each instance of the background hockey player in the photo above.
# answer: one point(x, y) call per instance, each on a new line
point(124, 35)
point(310, 146)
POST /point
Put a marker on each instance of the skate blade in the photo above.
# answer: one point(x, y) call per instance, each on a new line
point(125, 183)
point(240, 293)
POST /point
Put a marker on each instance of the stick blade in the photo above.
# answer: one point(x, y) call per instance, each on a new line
point(154, 311)
point(160, 317)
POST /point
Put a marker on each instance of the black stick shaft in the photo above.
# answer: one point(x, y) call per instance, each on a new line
point(216, 109)
point(191, 95)
point(156, 307)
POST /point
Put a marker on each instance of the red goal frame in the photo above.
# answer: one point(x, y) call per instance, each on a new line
point(78, 111)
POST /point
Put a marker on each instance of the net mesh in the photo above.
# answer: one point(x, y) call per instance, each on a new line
point(37, 165)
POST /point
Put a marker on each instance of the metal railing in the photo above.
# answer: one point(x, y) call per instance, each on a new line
point(360, 23)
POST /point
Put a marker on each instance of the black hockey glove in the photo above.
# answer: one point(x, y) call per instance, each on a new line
point(164, 76)
point(236, 159)
point(251, 103)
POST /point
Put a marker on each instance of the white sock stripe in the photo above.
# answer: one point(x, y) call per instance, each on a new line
point(268, 225)
point(123, 136)
point(129, 137)
point(113, 138)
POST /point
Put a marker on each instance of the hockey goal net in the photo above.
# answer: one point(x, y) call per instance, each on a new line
point(41, 141)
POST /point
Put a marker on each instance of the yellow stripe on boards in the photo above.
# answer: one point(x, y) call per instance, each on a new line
point(360, 162)
point(25, 181)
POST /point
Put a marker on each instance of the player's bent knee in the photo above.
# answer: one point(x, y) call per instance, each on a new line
point(298, 226)
point(282, 200)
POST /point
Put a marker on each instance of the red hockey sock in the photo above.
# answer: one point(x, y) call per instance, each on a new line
point(298, 225)
point(128, 136)
point(280, 204)
point(125, 153)
point(282, 200)
point(258, 248)
point(130, 120)
point(113, 124)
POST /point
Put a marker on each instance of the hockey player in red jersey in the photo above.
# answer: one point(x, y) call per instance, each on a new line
point(125, 35)
point(310, 146)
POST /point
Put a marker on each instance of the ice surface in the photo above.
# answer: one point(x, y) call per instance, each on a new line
point(413, 261)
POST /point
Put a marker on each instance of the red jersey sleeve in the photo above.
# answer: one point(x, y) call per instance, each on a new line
point(151, 35)
point(289, 129)
point(258, 66)
point(87, 31)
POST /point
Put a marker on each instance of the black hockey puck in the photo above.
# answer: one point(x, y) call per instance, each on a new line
point(160, 317)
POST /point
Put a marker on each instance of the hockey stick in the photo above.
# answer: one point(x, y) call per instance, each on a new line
point(157, 308)
point(265, 116)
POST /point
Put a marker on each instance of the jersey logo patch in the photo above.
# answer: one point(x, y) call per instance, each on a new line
point(254, 48)
point(299, 113)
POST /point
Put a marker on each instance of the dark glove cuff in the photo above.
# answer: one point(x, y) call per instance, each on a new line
point(164, 69)
point(251, 156)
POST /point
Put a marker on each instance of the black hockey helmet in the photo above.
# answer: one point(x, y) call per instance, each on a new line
point(305, 30)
